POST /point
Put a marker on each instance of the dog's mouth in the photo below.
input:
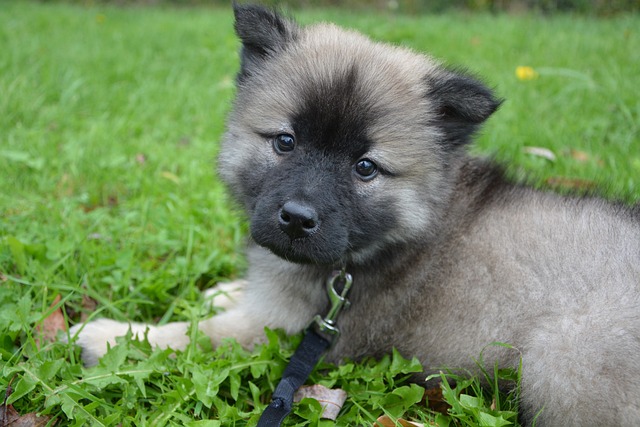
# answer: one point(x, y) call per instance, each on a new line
point(312, 249)
point(298, 253)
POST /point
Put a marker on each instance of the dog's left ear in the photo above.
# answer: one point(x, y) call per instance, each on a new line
point(461, 105)
point(263, 33)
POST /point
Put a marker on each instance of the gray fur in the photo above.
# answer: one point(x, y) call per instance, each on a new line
point(447, 257)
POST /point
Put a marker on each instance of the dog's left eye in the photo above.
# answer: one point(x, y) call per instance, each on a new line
point(366, 169)
point(284, 143)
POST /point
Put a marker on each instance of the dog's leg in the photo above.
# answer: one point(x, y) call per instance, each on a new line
point(94, 336)
point(237, 323)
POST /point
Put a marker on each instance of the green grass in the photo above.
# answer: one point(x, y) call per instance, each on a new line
point(109, 123)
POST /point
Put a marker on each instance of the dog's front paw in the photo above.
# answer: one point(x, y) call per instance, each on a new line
point(94, 336)
point(225, 294)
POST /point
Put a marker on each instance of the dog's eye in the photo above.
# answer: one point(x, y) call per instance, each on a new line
point(366, 169)
point(284, 143)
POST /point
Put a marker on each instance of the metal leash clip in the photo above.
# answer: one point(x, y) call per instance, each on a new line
point(326, 326)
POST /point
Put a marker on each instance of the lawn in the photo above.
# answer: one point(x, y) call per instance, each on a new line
point(110, 206)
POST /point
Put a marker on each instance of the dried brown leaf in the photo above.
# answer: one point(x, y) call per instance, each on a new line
point(89, 305)
point(9, 417)
point(141, 158)
point(112, 200)
point(571, 183)
point(435, 400)
point(52, 324)
point(579, 155)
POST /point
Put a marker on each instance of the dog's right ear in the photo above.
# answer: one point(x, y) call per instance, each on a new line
point(263, 33)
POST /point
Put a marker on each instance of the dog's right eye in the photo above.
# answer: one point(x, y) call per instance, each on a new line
point(284, 143)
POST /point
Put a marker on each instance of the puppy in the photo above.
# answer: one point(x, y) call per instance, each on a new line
point(347, 153)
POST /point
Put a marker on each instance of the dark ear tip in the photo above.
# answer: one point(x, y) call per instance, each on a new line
point(493, 104)
point(258, 19)
point(247, 14)
point(241, 7)
point(264, 32)
point(238, 8)
point(497, 103)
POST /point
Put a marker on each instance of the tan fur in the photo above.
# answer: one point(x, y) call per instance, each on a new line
point(447, 256)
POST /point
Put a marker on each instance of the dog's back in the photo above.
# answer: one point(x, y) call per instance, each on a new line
point(558, 278)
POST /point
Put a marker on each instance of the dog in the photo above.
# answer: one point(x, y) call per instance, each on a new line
point(348, 153)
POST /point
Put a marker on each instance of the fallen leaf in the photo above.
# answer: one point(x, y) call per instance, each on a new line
point(435, 400)
point(141, 158)
point(540, 152)
point(493, 404)
point(170, 176)
point(571, 183)
point(386, 421)
point(9, 417)
point(88, 306)
point(51, 324)
point(580, 156)
point(330, 399)
point(29, 420)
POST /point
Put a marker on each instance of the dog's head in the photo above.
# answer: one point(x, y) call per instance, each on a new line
point(338, 146)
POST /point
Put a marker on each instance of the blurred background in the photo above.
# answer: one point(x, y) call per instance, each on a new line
point(591, 7)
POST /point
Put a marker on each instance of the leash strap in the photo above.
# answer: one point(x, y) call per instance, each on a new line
point(296, 373)
point(309, 351)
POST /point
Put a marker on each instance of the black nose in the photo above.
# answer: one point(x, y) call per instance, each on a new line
point(298, 219)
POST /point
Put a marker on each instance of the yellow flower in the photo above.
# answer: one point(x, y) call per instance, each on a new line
point(526, 73)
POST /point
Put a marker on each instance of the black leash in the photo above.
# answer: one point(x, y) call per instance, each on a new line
point(296, 373)
point(319, 336)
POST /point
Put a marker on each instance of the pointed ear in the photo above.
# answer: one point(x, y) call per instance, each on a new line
point(263, 33)
point(461, 105)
